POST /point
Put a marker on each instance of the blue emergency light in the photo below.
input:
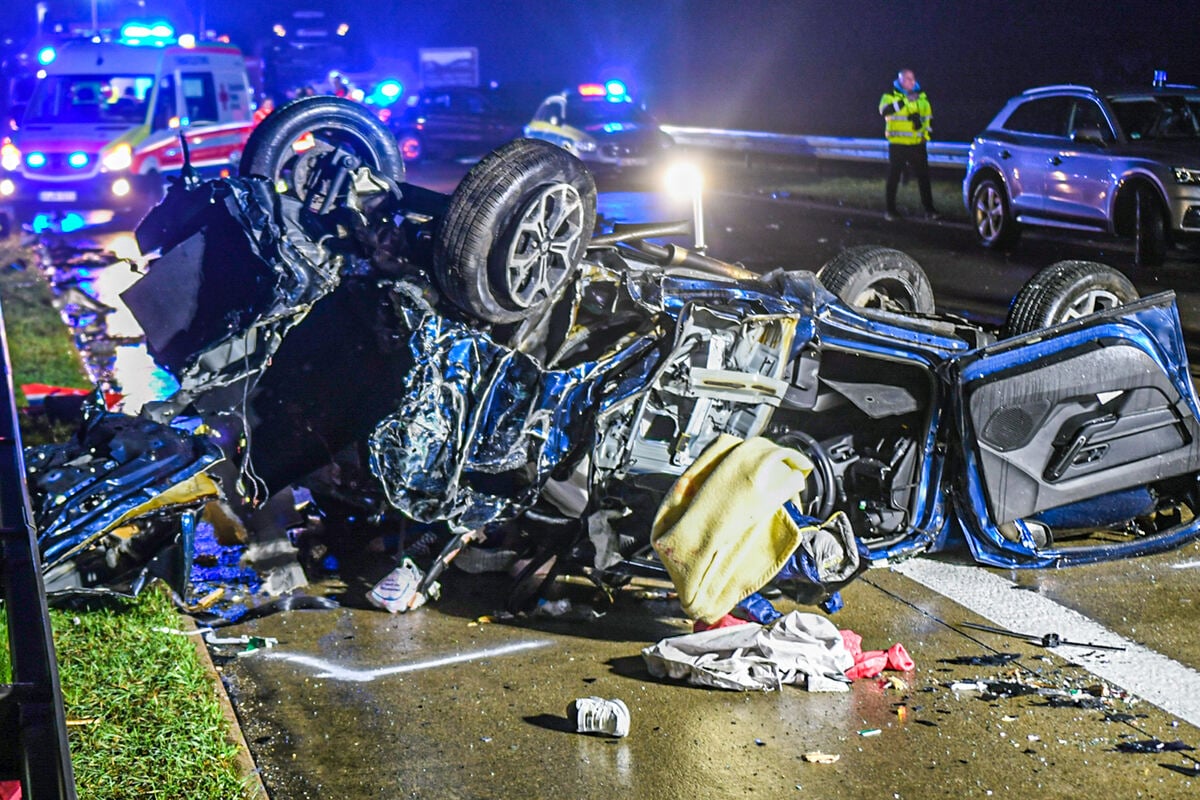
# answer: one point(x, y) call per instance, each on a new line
point(46, 55)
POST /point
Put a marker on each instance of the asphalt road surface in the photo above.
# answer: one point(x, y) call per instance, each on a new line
point(449, 701)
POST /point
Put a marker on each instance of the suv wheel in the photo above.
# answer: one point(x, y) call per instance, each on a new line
point(878, 277)
point(298, 142)
point(515, 231)
point(1149, 228)
point(991, 216)
point(1064, 291)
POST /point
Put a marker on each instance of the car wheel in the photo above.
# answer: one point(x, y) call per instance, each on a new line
point(878, 277)
point(411, 147)
point(1150, 229)
point(1064, 291)
point(292, 145)
point(991, 216)
point(515, 230)
point(821, 485)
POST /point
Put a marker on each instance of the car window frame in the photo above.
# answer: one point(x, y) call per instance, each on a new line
point(1067, 101)
point(1108, 133)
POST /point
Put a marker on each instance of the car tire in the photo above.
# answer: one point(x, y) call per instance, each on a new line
point(494, 256)
point(878, 277)
point(991, 216)
point(1151, 240)
point(269, 151)
point(1064, 291)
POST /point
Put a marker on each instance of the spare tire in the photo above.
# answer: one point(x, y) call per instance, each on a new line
point(281, 150)
point(1067, 290)
point(515, 230)
point(878, 277)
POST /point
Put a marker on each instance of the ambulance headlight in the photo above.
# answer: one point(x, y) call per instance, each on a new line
point(119, 158)
point(10, 157)
point(120, 187)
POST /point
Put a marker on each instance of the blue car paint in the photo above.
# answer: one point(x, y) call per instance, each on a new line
point(946, 512)
point(1151, 325)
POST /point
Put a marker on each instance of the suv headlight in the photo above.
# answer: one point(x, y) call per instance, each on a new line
point(1185, 175)
point(119, 158)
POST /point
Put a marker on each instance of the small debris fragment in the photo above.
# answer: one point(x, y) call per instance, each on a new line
point(816, 757)
point(597, 715)
point(993, 660)
point(1153, 746)
point(760, 743)
point(869, 732)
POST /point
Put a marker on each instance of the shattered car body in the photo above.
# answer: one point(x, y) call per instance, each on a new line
point(494, 371)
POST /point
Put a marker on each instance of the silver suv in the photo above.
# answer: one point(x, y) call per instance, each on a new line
point(1126, 163)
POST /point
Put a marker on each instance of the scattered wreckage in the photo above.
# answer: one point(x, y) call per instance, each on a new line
point(480, 360)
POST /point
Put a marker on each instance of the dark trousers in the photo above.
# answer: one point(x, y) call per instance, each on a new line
point(913, 155)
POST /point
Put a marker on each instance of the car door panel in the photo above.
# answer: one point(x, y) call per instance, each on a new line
point(1097, 406)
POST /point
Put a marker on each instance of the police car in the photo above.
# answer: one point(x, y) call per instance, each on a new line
point(102, 126)
point(601, 125)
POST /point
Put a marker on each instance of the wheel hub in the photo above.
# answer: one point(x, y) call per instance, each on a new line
point(548, 237)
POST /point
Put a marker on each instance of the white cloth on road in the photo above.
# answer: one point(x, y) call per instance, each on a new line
point(798, 647)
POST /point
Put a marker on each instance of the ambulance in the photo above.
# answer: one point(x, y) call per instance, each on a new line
point(102, 128)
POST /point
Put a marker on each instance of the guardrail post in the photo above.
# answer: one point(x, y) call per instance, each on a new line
point(33, 742)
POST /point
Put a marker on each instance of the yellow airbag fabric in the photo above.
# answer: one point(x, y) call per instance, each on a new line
point(722, 531)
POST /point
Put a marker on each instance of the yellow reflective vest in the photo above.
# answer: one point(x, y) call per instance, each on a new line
point(897, 111)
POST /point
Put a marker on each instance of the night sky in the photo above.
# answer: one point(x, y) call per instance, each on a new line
point(801, 67)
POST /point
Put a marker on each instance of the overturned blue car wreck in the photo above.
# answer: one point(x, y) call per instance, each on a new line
point(482, 359)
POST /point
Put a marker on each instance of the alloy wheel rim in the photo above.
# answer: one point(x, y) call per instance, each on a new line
point(548, 237)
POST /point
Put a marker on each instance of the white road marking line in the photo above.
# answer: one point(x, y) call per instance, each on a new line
point(328, 669)
point(1168, 684)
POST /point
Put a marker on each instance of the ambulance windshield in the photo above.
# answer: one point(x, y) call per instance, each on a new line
point(90, 99)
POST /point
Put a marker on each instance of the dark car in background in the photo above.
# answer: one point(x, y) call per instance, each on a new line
point(454, 121)
point(1073, 157)
point(602, 126)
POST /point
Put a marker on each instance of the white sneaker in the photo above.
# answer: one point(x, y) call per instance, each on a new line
point(597, 715)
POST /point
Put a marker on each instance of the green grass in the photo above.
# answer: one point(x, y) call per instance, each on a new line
point(147, 721)
point(39, 345)
point(151, 725)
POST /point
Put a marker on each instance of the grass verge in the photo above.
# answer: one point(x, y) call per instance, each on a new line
point(148, 723)
point(143, 718)
point(845, 184)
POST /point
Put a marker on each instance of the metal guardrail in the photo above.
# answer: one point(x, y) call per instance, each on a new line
point(945, 154)
point(33, 725)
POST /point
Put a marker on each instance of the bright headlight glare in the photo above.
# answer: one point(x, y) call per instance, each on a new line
point(119, 158)
point(7, 188)
point(586, 146)
point(684, 179)
point(10, 156)
point(120, 187)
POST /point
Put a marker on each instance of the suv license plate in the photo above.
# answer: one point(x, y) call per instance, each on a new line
point(62, 196)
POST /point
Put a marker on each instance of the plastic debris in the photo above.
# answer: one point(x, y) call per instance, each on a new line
point(993, 660)
point(398, 592)
point(1153, 746)
point(865, 732)
point(821, 758)
point(869, 663)
point(597, 715)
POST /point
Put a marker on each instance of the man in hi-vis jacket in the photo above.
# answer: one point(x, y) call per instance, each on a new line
point(907, 116)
